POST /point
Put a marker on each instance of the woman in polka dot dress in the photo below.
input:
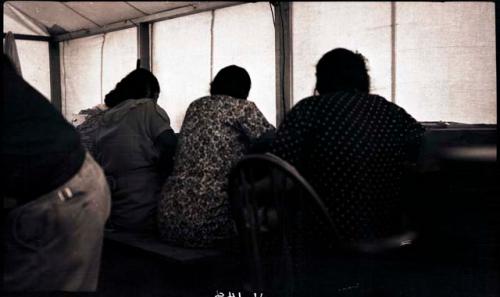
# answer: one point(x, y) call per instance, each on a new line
point(351, 146)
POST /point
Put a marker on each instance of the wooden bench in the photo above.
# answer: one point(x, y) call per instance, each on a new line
point(150, 244)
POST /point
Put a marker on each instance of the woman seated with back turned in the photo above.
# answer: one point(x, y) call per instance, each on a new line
point(216, 132)
point(351, 146)
point(135, 146)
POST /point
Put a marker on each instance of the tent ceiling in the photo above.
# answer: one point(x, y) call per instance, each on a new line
point(150, 7)
point(60, 17)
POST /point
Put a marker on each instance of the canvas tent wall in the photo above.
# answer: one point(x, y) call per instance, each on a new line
point(33, 54)
point(437, 60)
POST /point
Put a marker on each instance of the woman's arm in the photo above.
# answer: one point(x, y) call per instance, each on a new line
point(166, 143)
point(255, 128)
point(262, 144)
point(164, 138)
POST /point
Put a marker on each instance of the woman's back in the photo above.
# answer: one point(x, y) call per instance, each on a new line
point(215, 134)
point(125, 145)
point(126, 136)
point(352, 147)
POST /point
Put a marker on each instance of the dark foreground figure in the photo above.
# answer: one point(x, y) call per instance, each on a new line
point(59, 197)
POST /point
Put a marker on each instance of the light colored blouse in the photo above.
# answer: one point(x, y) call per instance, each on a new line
point(125, 148)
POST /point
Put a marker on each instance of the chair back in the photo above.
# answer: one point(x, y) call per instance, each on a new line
point(280, 219)
point(286, 234)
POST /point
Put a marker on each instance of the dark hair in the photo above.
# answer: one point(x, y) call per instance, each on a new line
point(233, 81)
point(342, 70)
point(138, 84)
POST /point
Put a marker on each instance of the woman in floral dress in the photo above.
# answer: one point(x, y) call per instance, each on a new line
point(216, 132)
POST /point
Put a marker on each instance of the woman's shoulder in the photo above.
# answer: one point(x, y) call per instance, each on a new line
point(201, 100)
point(136, 108)
point(131, 104)
point(220, 102)
point(198, 104)
point(306, 104)
point(229, 100)
point(382, 101)
point(152, 108)
point(307, 101)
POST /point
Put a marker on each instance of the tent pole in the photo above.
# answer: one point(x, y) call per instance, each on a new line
point(143, 45)
point(55, 74)
point(283, 41)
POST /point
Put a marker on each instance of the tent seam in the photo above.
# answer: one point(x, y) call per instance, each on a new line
point(102, 62)
point(212, 45)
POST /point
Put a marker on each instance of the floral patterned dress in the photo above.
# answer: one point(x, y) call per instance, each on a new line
point(194, 206)
point(88, 129)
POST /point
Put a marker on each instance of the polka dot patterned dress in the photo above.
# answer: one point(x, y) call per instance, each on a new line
point(352, 148)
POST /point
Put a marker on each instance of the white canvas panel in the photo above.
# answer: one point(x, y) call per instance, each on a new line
point(35, 64)
point(181, 62)
point(319, 27)
point(119, 57)
point(446, 61)
point(80, 74)
point(244, 36)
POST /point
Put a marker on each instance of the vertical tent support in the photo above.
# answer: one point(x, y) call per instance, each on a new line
point(55, 74)
point(54, 65)
point(497, 24)
point(393, 52)
point(143, 45)
point(283, 39)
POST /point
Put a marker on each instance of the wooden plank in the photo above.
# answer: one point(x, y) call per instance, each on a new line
point(171, 253)
point(169, 14)
point(30, 37)
point(283, 33)
point(55, 75)
point(143, 45)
